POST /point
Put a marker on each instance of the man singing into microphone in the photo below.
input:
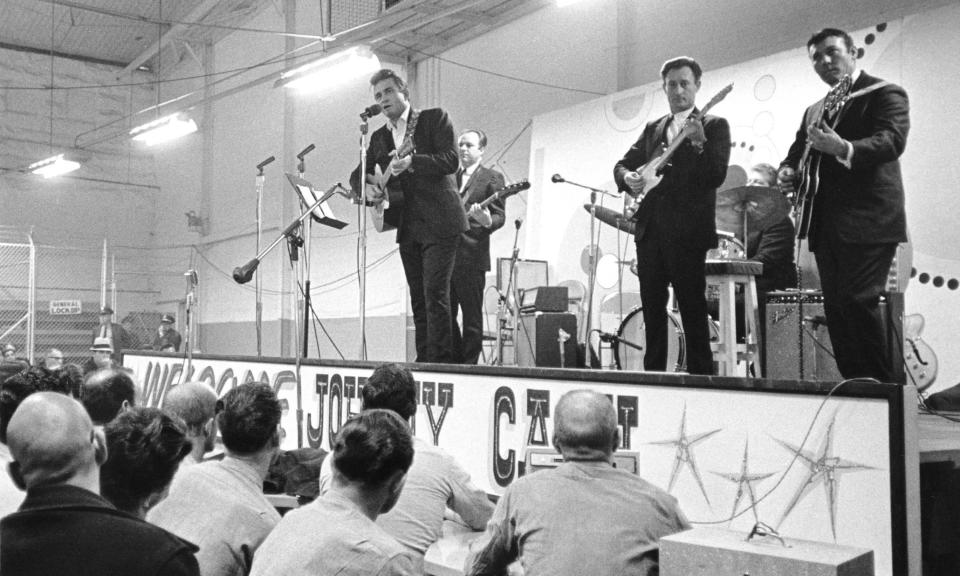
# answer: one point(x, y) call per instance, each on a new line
point(676, 219)
point(431, 217)
point(477, 183)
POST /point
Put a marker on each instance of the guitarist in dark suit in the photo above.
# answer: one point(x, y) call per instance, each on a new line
point(431, 217)
point(676, 219)
point(858, 213)
point(476, 183)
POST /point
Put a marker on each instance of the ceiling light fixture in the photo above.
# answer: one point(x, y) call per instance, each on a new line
point(332, 69)
point(164, 129)
point(53, 166)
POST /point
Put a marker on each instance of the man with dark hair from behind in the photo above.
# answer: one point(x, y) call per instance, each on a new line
point(585, 516)
point(64, 526)
point(194, 403)
point(435, 480)
point(145, 449)
point(336, 533)
point(13, 391)
point(107, 392)
point(220, 506)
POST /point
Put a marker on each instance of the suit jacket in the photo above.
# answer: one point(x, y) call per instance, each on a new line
point(474, 250)
point(67, 530)
point(684, 203)
point(122, 340)
point(865, 202)
point(431, 206)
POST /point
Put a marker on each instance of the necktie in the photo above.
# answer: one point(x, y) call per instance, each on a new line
point(673, 128)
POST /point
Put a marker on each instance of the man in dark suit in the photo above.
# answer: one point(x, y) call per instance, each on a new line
point(120, 339)
point(431, 218)
point(858, 215)
point(476, 183)
point(676, 219)
point(64, 526)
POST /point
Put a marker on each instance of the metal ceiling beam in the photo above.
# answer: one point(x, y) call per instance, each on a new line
point(195, 15)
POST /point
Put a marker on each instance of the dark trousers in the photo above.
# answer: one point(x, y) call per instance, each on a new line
point(428, 266)
point(466, 293)
point(660, 264)
point(852, 277)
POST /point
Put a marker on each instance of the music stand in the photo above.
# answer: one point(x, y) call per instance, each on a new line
point(323, 213)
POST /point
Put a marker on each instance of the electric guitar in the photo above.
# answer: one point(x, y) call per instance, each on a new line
point(387, 200)
point(809, 179)
point(652, 171)
point(505, 192)
point(918, 357)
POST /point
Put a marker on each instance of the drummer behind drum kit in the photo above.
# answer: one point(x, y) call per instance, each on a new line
point(740, 211)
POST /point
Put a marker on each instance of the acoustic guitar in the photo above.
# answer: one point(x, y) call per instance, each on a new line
point(387, 200)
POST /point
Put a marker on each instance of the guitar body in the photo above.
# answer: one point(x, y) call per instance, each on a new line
point(806, 190)
point(918, 357)
point(651, 173)
point(387, 210)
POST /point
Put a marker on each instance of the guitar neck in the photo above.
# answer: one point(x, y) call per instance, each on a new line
point(682, 136)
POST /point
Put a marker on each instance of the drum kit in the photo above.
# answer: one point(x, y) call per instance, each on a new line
point(740, 211)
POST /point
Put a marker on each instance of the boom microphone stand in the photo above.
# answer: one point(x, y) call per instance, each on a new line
point(259, 289)
point(592, 273)
point(307, 235)
point(505, 302)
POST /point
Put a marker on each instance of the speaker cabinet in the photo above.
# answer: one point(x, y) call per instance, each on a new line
point(782, 329)
point(538, 340)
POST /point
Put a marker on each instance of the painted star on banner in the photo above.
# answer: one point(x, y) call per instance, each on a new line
point(823, 467)
point(684, 453)
point(744, 481)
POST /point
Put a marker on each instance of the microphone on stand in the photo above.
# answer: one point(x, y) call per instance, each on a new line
point(518, 222)
point(243, 274)
point(370, 111)
point(304, 152)
point(191, 277)
point(264, 163)
point(607, 336)
point(557, 179)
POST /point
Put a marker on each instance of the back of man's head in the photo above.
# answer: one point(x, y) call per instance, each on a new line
point(248, 417)
point(16, 388)
point(106, 392)
point(52, 441)
point(391, 387)
point(145, 449)
point(585, 426)
point(371, 447)
point(192, 402)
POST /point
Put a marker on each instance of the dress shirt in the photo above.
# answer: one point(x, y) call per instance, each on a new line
point(465, 176)
point(676, 123)
point(399, 129)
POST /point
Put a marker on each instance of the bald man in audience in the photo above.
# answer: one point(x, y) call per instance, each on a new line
point(145, 448)
point(220, 505)
point(435, 480)
point(194, 403)
point(107, 392)
point(64, 526)
point(585, 516)
point(336, 533)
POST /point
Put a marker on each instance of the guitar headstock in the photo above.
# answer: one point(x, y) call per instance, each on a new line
point(837, 95)
point(511, 189)
point(717, 98)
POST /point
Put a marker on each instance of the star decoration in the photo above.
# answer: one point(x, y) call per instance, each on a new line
point(684, 453)
point(823, 467)
point(744, 481)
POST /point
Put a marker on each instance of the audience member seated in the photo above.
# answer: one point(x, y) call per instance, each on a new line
point(167, 338)
point(13, 391)
point(144, 450)
point(64, 527)
point(106, 393)
point(585, 516)
point(10, 364)
point(53, 360)
point(71, 379)
point(435, 480)
point(220, 505)
point(102, 358)
point(194, 403)
point(337, 533)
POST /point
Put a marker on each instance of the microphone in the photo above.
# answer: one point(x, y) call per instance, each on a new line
point(304, 152)
point(265, 162)
point(518, 222)
point(370, 111)
point(556, 179)
point(607, 336)
point(191, 277)
point(243, 274)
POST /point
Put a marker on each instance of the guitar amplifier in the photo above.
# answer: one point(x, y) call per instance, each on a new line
point(539, 340)
point(783, 328)
point(544, 299)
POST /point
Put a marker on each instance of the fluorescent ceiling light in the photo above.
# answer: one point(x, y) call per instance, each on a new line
point(53, 166)
point(331, 69)
point(164, 129)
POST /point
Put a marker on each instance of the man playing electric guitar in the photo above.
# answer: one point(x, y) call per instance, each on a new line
point(676, 217)
point(857, 215)
point(431, 217)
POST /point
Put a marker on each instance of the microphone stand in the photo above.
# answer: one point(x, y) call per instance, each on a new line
point(361, 201)
point(592, 273)
point(504, 302)
point(259, 289)
point(302, 352)
point(188, 329)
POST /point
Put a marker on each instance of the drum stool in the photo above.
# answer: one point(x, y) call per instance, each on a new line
point(726, 350)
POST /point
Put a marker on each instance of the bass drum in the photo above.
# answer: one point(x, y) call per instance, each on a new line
point(632, 330)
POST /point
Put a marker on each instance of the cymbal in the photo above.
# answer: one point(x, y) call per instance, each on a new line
point(614, 218)
point(762, 206)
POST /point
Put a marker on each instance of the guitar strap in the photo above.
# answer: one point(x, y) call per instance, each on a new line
point(861, 92)
point(411, 125)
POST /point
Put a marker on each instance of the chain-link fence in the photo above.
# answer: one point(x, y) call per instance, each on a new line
point(16, 313)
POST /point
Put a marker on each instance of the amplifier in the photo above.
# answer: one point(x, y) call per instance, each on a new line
point(539, 340)
point(782, 330)
point(713, 551)
point(544, 299)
